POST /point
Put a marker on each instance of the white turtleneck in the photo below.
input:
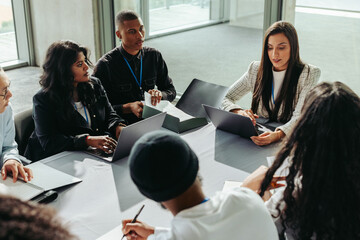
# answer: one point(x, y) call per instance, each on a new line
point(278, 78)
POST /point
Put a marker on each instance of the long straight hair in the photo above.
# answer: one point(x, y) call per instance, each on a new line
point(323, 149)
point(57, 78)
point(262, 89)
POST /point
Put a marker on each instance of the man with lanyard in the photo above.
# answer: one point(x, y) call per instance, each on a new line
point(129, 70)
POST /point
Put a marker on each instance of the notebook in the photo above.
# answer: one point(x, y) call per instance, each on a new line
point(233, 123)
point(129, 135)
point(45, 178)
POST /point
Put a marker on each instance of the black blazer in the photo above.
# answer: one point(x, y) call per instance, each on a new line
point(55, 133)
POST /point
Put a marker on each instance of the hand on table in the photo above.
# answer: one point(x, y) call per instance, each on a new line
point(15, 168)
point(246, 113)
point(137, 230)
point(268, 137)
point(156, 96)
point(134, 107)
point(105, 143)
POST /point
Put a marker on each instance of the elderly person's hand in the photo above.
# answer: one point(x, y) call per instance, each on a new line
point(15, 168)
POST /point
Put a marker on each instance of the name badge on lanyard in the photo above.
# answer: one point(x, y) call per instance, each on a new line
point(132, 72)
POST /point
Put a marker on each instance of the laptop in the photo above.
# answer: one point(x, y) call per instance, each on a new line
point(233, 123)
point(129, 135)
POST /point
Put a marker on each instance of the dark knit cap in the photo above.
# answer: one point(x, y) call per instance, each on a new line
point(162, 165)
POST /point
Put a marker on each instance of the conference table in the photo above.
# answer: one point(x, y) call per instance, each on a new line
point(107, 194)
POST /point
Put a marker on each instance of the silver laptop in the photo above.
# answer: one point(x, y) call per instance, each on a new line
point(233, 123)
point(129, 135)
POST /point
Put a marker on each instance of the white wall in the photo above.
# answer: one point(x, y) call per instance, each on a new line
point(61, 20)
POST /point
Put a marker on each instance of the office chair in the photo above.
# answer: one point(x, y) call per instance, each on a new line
point(200, 92)
point(24, 126)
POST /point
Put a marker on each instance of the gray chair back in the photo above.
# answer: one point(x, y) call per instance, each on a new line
point(24, 126)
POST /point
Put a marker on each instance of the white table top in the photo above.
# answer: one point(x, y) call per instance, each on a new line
point(107, 195)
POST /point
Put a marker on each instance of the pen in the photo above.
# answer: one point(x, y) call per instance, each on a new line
point(136, 216)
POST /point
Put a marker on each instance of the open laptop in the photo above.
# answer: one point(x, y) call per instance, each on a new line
point(233, 123)
point(129, 135)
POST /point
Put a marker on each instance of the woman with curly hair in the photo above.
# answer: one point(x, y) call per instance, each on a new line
point(71, 111)
point(321, 199)
point(27, 220)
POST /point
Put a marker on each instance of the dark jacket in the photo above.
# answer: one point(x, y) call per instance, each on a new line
point(120, 84)
point(55, 133)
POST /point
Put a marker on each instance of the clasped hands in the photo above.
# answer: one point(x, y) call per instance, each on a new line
point(264, 138)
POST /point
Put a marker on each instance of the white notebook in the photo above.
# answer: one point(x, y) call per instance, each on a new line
point(45, 178)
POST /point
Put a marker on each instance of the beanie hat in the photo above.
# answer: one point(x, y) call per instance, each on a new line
point(162, 165)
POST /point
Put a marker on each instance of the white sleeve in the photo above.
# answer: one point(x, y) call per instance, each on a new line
point(161, 233)
point(241, 87)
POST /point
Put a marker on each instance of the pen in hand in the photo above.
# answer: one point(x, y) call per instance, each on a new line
point(134, 219)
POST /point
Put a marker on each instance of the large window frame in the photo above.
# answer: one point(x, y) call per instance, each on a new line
point(219, 10)
point(24, 43)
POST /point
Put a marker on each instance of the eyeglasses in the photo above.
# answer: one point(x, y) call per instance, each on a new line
point(5, 93)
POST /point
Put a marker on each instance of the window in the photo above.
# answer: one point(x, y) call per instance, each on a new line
point(8, 47)
point(329, 35)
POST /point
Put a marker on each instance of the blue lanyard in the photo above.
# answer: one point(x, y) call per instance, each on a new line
point(205, 200)
point(138, 82)
point(272, 91)
point(86, 116)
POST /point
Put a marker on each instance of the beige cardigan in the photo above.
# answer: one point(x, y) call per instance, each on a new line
point(307, 80)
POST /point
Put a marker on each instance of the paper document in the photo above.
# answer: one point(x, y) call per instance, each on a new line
point(116, 233)
point(166, 106)
point(228, 185)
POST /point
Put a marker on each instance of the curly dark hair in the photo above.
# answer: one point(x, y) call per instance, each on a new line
point(27, 220)
point(57, 78)
point(323, 149)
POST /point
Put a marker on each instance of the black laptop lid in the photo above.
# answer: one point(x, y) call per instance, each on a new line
point(231, 122)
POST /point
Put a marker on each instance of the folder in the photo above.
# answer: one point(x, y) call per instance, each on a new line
point(176, 124)
point(196, 94)
point(45, 178)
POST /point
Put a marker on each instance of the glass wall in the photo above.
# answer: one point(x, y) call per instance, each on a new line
point(329, 34)
point(167, 15)
point(8, 49)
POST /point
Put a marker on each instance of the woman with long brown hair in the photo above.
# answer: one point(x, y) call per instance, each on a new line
point(279, 83)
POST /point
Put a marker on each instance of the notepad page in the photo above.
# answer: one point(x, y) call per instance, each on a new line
point(24, 191)
point(49, 178)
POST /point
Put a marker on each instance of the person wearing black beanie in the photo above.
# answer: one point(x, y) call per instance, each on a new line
point(171, 178)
